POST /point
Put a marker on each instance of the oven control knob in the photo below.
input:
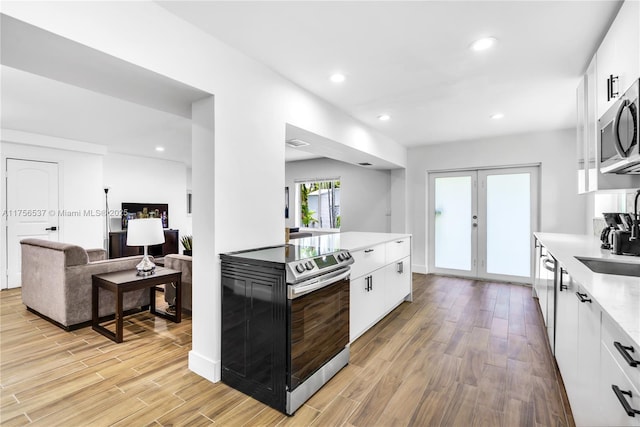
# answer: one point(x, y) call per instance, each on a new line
point(300, 268)
point(346, 255)
point(341, 257)
point(309, 265)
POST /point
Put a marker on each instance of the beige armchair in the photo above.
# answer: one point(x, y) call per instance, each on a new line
point(181, 263)
point(56, 282)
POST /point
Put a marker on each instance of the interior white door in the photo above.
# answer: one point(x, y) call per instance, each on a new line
point(32, 208)
point(481, 223)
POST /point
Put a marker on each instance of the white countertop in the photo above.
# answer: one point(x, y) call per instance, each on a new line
point(618, 296)
point(351, 240)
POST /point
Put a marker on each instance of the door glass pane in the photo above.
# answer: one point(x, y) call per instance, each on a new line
point(453, 222)
point(509, 224)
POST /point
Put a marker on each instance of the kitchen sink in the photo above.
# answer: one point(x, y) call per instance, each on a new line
point(620, 268)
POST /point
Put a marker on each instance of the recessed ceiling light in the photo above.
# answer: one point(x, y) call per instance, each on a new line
point(384, 117)
point(497, 116)
point(483, 44)
point(337, 78)
point(160, 149)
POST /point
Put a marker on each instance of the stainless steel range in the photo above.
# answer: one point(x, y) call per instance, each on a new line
point(285, 321)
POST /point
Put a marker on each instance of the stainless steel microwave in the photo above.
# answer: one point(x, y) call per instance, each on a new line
point(618, 136)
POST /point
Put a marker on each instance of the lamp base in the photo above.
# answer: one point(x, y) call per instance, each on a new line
point(146, 267)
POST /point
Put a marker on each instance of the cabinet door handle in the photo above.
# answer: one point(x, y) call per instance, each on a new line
point(400, 267)
point(51, 228)
point(369, 283)
point(610, 93)
point(583, 297)
point(624, 351)
point(563, 287)
point(368, 250)
point(623, 401)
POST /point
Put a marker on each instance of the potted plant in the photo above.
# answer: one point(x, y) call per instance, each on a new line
point(187, 242)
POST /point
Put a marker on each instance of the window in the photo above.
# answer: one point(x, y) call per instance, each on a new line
point(319, 203)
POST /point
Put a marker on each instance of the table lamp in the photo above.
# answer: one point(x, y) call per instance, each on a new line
point(145, 232)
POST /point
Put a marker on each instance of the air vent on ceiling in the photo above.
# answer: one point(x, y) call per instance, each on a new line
point(296, 143)
point(365, 164)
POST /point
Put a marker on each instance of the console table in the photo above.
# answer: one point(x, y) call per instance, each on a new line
point(120, 282)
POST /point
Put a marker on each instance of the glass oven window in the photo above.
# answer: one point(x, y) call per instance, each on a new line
point(319, 328)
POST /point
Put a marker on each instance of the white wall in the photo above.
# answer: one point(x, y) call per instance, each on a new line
point(80, 190)
point(561, 208)
point(136, 179)
point(365, 196)
point(252, 107)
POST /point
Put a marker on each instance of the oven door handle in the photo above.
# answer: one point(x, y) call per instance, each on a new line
point(314, 284)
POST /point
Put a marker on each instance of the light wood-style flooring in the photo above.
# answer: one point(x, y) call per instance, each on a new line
point(464, 353)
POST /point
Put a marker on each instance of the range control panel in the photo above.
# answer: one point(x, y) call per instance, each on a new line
point(301, 269)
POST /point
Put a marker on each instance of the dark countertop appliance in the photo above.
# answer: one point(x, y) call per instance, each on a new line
point(285, 321)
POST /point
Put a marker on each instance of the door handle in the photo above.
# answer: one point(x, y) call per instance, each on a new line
point(51, 229)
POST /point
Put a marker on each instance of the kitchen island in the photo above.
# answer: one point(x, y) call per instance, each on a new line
point(380, 275)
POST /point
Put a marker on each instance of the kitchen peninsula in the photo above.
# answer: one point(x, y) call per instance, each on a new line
point(380, 275)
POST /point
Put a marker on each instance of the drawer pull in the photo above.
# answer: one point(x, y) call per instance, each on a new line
point(623, 401)
point(624, 351)
point(399, 241)
point(368, 250)
point(400, 267)
point(583, 297)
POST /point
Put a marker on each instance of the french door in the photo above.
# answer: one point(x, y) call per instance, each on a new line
point(481, 223)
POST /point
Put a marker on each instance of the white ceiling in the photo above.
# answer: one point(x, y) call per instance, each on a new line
point(411, 59)
point(408, 59)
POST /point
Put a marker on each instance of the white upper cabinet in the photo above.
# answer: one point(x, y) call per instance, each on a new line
point(619, 56)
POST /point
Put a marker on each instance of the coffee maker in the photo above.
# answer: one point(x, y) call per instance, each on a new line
point(624, 236)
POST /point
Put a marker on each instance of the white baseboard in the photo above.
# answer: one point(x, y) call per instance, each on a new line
point(206, 368)
point(422, 269)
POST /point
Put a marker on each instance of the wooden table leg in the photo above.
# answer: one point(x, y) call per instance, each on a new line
point(178, 284)
point(94, 304)
point(119, 316)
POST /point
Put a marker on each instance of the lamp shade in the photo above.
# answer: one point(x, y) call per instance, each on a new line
point(145, 232)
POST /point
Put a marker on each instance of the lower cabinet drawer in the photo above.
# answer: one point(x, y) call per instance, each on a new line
point(367, 260)
point(617, 394)
point(624, 352)
point(398, 249)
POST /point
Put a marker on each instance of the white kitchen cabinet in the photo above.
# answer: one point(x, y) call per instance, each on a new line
point(586, 412)
point(610, 406)
point(368, 259)
point(567, 332)
point(366, 301)
point(588, 154)
point(380, 281)
point(397, 281)
point(581, 136)
point(619, 55)
point(620, 367)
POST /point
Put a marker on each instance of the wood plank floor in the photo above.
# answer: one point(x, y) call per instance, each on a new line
point(464, 353)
